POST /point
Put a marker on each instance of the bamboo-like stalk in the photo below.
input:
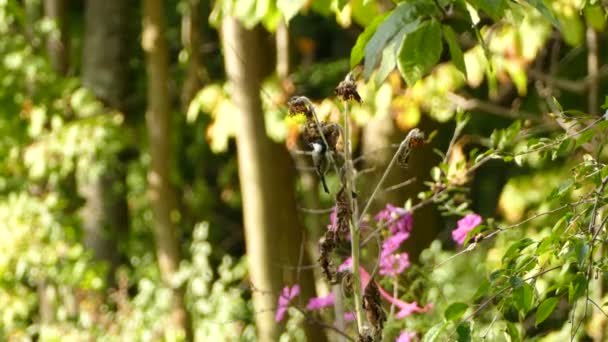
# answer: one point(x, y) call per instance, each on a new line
point(354, 223)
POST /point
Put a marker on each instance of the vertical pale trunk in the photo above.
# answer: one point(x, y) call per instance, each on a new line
point(57, 43)
point(273, 233)
point(106, 72)
point(163, 197)
point(192, 41)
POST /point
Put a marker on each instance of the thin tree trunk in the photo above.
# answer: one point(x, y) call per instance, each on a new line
point(162, 195)
point(273, 232)
point(192, 41)
point(57, 43)
point(106, 72)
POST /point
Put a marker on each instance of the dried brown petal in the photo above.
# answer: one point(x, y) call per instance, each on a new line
point(373, 308)
point(414, 139)
point(347, 91)
point(343, 212)
point(301, 105)
point(326, 245)
point(347, 283)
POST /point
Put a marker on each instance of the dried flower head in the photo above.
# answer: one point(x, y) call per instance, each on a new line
point(373, 308)
point(301, 105)
point(343, 212)
point(414, 139)
point(347, 284)
point(326, 246)
point(347, 90)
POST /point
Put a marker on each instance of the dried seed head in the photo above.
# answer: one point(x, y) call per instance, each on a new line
point(347, 90)
point(414, 139)
point(373, 308)
point(326, 245)
point(343, 213)
point(301, 105)
point(347, 283)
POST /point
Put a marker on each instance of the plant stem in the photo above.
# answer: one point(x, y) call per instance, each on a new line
point(403, 145)
point(354, 226)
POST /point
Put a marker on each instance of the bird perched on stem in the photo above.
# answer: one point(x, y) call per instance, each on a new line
point(320, 160)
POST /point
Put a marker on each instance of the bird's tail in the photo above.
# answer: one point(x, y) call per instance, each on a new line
point(324, 184)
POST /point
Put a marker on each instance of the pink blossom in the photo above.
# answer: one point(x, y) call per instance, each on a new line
point(393, 264)
point(393, 243)
point(406, 336)
point(346, 265)
point(405, 308)
point(316, 303)
point(349, 316)
point(401, 220)
point(286, 296)
point(465, 225)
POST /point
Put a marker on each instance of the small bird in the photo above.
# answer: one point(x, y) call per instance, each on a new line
point(320, 160)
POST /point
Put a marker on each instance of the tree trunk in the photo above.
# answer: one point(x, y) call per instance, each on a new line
point(163, 197)
point(57, 43)
point(273, 232)
point(106, 72)
point(192, 41)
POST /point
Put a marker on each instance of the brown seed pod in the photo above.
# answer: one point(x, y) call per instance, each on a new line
point(347, 91)
point(343, 213)
point(326, 246)
point(301, 105)
point(415, 138)
point(373, 308)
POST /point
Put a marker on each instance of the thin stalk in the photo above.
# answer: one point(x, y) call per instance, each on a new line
point(354, 226)
point(402, 146)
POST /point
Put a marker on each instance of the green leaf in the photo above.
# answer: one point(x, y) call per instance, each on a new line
point(289, 8)
point(594, 15)
point(357, 53)
point(577, 288)
point(420, 51)
point(482, 290)
point(546, 12)
point(545, 309)
point(494, 8)
point(455, 50)
point(434, 333)
point(405, 18)
point(513, 332)
point(585, 138)
point(455, 311)
point(464, 332)
point(524, 297)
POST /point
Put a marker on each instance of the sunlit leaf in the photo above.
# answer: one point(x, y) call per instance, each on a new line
point(455, 311)
point(420, 51)
point(545, 309)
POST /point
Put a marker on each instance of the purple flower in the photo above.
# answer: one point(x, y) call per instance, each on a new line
point(349, 316)
point(401, 220)
point(392, 243)
point(346, 265)
point(286, 296)
point(465, 225)
point(394, 264)
point(406, 336)
point(316, 303)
